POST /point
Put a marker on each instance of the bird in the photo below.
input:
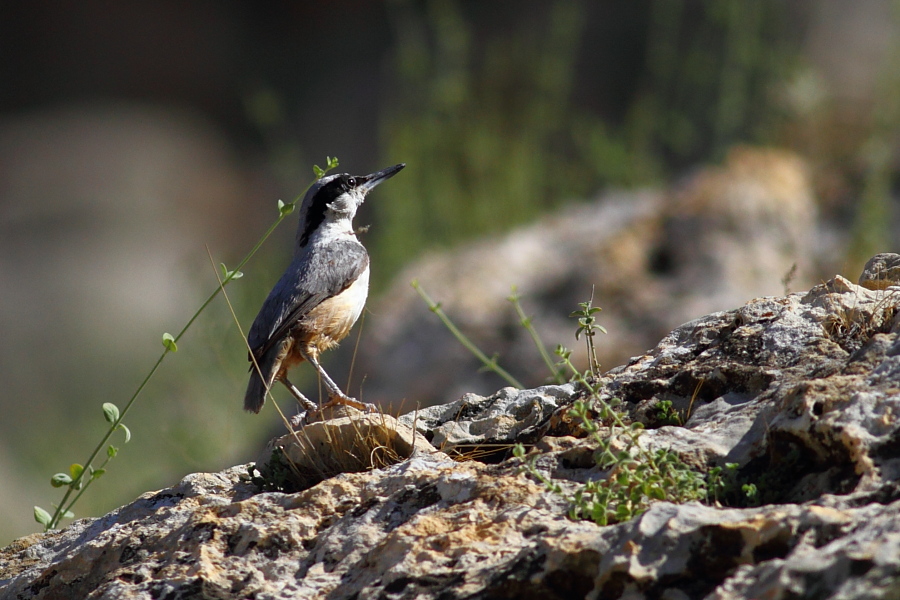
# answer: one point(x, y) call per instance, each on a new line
point(321, 294)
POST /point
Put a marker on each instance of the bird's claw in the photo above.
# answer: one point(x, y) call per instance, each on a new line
point(336, 399)
point(302, 418)
point(299, 420)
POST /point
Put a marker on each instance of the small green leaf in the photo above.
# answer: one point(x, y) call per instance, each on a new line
point(110, 412)
point(127, 431)
point(60, 479)
point(97, 473)
point(331, 162)
point(169, 342)
point(66, 515)
point(229, 275)
point(42, 516)
point(285, 209)
point(111, 451)
point(76, 470)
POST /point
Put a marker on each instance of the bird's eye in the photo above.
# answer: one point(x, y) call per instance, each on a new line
point(351, 182)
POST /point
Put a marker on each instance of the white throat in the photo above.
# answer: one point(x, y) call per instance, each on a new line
point(329, 231)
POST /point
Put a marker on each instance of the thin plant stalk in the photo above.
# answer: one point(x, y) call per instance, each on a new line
point(633, 431)
point(489, 363)
point(525, 320)
point(255, 365)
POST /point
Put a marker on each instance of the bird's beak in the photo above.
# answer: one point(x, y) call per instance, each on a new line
point(368, 182)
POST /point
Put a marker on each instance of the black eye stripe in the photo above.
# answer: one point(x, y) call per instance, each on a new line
point(320, 202)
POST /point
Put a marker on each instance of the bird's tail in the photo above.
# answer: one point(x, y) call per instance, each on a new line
point(259, 385)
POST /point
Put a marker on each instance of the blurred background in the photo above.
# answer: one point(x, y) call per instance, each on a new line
point(681, 141)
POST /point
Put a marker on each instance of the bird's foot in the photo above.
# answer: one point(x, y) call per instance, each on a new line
point(321, 413)
point(299, 420)
point(344, 400)
point(307, 408)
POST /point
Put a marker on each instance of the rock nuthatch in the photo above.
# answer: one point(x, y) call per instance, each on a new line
point(321, 294)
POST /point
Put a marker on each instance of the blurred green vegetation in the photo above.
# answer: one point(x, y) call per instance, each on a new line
point(710, 70)
point(488, 129)
point(490, 125)
point(872, 226)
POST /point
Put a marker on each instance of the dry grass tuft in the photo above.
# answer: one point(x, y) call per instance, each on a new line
point(347, 442)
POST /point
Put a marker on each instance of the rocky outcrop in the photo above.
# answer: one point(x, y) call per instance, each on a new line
point(800, 392)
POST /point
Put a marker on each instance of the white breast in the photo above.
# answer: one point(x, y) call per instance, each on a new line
point(356, 296)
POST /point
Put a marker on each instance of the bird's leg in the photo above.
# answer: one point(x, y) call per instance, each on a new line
point(333, 390)
point(335, 395)
point(307, 404)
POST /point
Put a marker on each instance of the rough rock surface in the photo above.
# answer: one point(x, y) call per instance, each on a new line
point(881, 271)
point(801, 391)
point(508, 416)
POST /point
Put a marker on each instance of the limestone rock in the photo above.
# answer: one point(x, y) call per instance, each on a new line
point(881, 271)
point(801, 392)
point(503, 418)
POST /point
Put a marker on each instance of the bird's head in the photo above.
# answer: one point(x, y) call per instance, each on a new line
point(336, 198)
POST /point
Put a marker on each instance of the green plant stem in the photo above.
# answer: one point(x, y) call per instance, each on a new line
point(631, 432)
point(79, 483)
point(526, 323)
point(83, 489)
point(490, 363)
